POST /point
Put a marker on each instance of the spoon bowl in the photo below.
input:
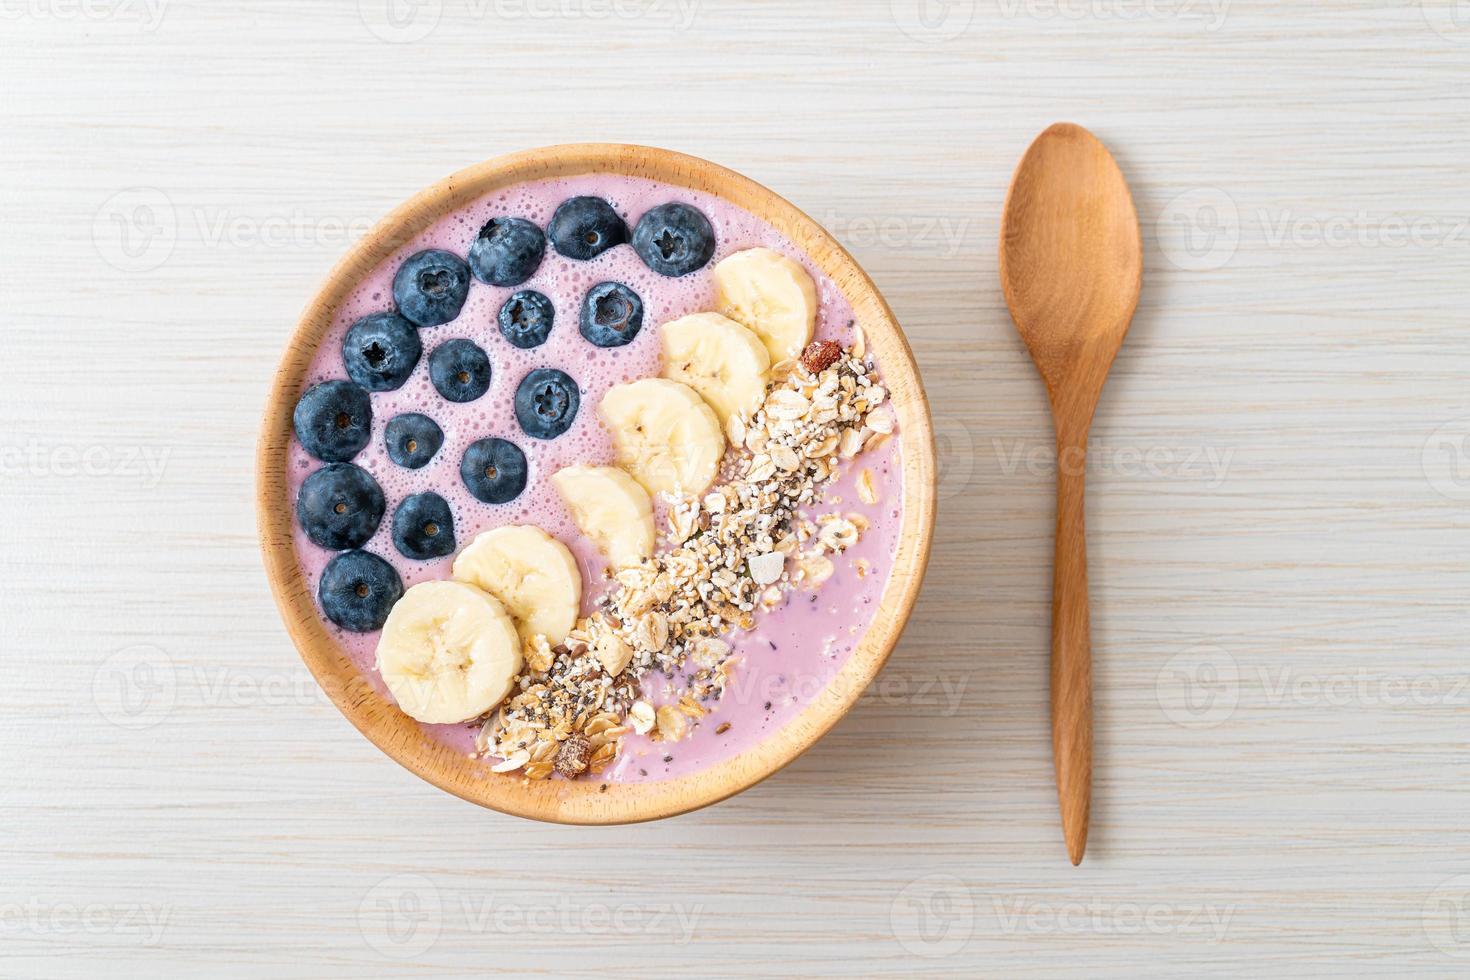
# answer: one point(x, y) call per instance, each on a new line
point(1071, 266)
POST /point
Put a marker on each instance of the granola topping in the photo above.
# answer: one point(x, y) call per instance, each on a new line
point(820, 356)
point(737, 551)
point(572, 757)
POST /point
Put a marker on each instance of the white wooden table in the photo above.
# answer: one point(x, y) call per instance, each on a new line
point(1278, 509)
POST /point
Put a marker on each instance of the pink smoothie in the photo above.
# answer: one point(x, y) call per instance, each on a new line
point(796, 649)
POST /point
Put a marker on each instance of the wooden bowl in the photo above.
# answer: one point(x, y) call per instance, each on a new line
point(586, 801)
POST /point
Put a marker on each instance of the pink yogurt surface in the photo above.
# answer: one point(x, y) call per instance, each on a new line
point(795, 649)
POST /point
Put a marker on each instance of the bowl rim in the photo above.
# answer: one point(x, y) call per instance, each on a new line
point(582, 801)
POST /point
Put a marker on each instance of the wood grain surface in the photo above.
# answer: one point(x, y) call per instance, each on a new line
point(1277, 503)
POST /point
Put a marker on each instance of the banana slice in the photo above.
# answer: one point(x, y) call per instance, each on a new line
point(531, 572)
point(770, 294)
point(611, 509)
point(448, 652)
point(665, 434)
point(717, 357)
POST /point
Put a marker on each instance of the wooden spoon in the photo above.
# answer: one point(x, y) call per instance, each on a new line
point(1071, 264)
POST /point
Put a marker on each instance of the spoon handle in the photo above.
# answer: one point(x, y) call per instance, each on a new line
point(1071, 648)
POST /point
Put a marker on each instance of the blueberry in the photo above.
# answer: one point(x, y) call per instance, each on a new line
point(413, 439)
point(423, 527)
point(585, 227)
point(381, 351)
point(431, 286)
point(546, 403)
point(674, 239)
point(358, 590)
point(507, 252)
point(494, 470)
point(340, 506)
point(525, 319)
point(334, 420)
point(460, 370)
point(612, 314)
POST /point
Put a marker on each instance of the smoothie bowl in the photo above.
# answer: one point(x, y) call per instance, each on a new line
point(596, 484)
